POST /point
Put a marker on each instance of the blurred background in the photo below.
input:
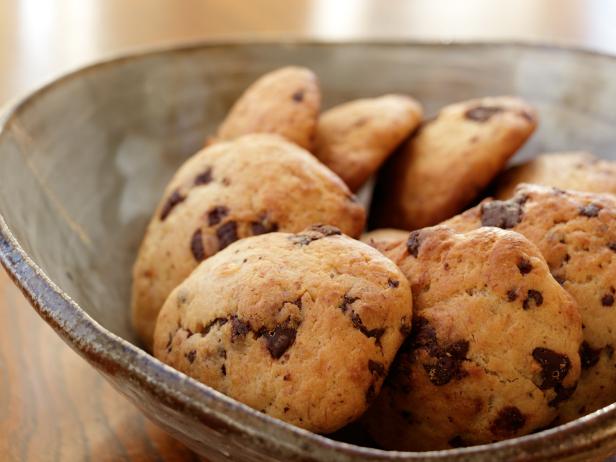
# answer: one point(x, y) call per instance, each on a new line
point(53, 406)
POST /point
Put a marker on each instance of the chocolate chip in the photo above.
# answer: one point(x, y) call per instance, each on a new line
point(298, 96)
point(554, 367)
point(358, 324)
point(512, 294)
point(589, 356)
point(524, 266)
point(214, 322)
point(216, 214)
point(191, 355)
point(196, 246)
point(279, 340)
point(393, 283)
point(533, 295)
point(222, 353)
point(227, 234)
point(607, 300)
point(508, 422)
point(286, 377)
point(612, 246)
point(263, 225)
point(326, 230)
point(223, 369)
point(562, 394)
point(203, 178)
point(413, 243)
point(376, 368)
point(482, 113)
point(174, 199)
point(501, 214)
point(458, 442)
point(590, 210)
point(314, 233)
point(239, 328)
point(346, 303)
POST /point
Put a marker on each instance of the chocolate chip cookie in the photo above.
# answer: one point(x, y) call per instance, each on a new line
point(494, 345)
point(355, 138)
point(230, 190)
point(580, 171)
point(449, 161)
point(300, 326)
point(285, 102)
point(576, 233)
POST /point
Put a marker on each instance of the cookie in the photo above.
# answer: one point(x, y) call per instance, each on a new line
point(228, 191)
point(449, 161)
point(384, 238)
point(302, 327)
point(285, 102)
point(580, 171)
point(355, 138)
point(576, 233)
point(493, 349)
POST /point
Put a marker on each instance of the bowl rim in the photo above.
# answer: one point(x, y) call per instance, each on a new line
point(118, 356)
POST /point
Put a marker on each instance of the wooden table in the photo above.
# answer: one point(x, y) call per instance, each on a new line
point(55, 407)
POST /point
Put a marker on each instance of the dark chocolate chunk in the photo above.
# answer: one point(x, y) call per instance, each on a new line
point(174, 199)
point(223, 369)
point(562, 394)
point(263, 225)
point(376, 368)
point(501, 214)
point(191, 355)
point(279, 340)
point(589, 356)
point(204, 178)
point(239, 328)
point(612, 246)
point(358, 324)
point(346, 303)
point(554, 367)
point(590, 210)
point(315, 233)
point(508, 422)
point(196, 246)
point(607, 300)
point(393, 283)
point(512, 295)
point(482, 113)
point(298, 96)
point(413, 243)
point(214, 322)
point(524, 266)
point(227, 234)
point(532, 296)
point(216, 214)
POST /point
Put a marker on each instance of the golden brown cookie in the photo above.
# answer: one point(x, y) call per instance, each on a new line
point(580, 171)
point(355, 138)
point(493, 348)
point(385, 238)
point(449, 161)
point(285, 102)
point(300, 326)
point(576, 233)
point(228, 191)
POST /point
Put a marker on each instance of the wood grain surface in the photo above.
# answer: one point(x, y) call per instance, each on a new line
point(53, 405)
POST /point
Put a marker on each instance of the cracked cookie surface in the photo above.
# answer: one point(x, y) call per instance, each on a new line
point(449, 160)
point(300, 326)
point(580, 171)
point(285, 101)
point(493, 349)
point(576, 233)
point(231, 190)
point(355, 138)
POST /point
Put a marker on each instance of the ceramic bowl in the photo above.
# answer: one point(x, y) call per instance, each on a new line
point(84, 159)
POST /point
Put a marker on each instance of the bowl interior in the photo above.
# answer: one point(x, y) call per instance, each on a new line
point(84, 161)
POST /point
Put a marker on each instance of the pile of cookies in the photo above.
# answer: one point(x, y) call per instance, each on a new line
point(442, 327)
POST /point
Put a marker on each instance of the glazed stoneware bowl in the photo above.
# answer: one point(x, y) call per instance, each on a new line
point(84, 160)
